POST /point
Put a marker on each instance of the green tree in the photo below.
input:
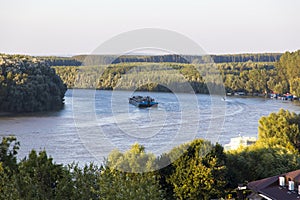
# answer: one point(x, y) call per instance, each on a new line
point(128, 176)
point(200, 173)
point(283, 125)
point(8, 168)
point(8, 153)
point(260, 161)
point(295, 86)
point(29, 85)
point(79, 183)
point(288, 69)
point(38, 176)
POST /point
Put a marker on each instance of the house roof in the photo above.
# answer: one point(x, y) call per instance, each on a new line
point(294, 175)
point(270, 187)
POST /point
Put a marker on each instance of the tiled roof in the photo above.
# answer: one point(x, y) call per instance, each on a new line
point(270, 187)
point(294, 175)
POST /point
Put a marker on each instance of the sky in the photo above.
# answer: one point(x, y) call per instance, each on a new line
point(70, 27)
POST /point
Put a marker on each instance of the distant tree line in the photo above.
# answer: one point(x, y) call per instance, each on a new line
point(250, 77)
point(173, 58)
point(28, 85)
point(195, 170)
point(246, 77)
point(60, 61)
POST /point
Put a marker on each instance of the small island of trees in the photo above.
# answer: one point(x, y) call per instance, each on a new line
point(28, 84)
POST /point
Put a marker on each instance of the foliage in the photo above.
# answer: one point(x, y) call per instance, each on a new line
point(8, 168)
point(260, 161)
point(79, 182)
point(8, 189)
point(28, 85)
point(119, 185)
point(130, 175)
point(135, 160)
point(288, 73)
point(38, 176)
point(284, 126)
point(250, 73)
point(275, 152)
point(200, 173)
point(172, 58)
point(60, 61)
point(248, 77)
point(8, 153)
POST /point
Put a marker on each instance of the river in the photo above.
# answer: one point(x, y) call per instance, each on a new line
point(94, 122)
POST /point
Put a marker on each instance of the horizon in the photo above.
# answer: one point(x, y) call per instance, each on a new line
point(87, 54)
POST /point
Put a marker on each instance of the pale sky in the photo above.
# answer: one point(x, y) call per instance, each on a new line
point(68, 27)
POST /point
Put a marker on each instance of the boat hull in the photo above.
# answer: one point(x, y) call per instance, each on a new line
point(142, 103)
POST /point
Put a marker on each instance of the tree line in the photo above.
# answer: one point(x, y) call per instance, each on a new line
point(79, 60)
point(237, 77)
point(288, 73)
point(195, 170)
point(60, 61)
point(252, 78)
point(174, 58)
point(28, 84)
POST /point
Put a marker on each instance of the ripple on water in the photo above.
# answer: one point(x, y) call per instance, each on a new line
point(159, 129)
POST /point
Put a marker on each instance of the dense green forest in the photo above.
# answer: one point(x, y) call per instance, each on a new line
point(242, 75)
point(246, 77)
point(288, 73)
point(202, 171)
point(28, 84)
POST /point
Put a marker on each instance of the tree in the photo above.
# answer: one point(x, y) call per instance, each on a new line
point(8, 189)
point(283, 125)
point(200, 173)
point(8, 168)
point(259, 161)
point(8, 153)
point(127, 176)
point(38, 176)
point(29, 85)
point(275, 152)
point(288, 69)
point(79, 183)
point(295, 86)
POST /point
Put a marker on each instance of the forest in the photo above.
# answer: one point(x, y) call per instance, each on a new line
point(170, 58)
point(202, 170)
point(28, 84)
point(258, 77)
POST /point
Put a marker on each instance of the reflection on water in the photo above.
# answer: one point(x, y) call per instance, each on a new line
point(113, 123)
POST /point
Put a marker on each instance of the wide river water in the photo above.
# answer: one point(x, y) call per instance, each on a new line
point(95, 122)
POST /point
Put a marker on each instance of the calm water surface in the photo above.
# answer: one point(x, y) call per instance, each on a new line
point(93, 123)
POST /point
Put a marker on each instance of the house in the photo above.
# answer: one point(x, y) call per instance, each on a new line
point(281, 187)
point(239, 141)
